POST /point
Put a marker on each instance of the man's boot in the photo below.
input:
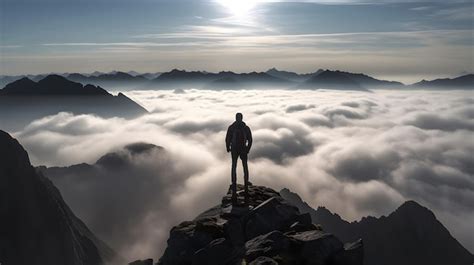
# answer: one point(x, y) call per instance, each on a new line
point(234, 194)
point(246, 194)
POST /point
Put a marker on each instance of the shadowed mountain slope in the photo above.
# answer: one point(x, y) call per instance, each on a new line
point(346, 81)
point(461, 82)
point(24, 100)
point(36, 225)
point(409, 235)
point(291, 75)
point(112, 80)
point(122, 189)
point(332, 80)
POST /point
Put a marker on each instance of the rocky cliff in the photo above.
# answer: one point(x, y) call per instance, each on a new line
point(269, 231)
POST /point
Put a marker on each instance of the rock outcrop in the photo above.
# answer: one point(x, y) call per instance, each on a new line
point(36, 225)
point(268, 231)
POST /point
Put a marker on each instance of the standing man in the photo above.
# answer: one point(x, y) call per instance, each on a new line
point(238, 141)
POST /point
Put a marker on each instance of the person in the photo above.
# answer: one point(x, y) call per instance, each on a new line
point(238, 142)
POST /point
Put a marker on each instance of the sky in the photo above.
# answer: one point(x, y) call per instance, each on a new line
point(400, 40)
point(356, 153)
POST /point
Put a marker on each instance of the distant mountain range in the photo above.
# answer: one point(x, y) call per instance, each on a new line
point(109, 80)
point(465, 81)
point(292, 76)
point(222, 80)
point(320, 79)
point(25, 100)
point(36, 226)
point(409, 235)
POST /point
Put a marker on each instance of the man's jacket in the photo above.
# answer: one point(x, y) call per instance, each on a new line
point(239, 137)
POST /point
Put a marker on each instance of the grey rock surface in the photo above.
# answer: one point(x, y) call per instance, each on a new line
point(267, 231)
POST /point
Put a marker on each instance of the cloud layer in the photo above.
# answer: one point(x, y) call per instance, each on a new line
point(355, 153)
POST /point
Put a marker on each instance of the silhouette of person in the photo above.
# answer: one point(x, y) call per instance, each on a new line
point(238, 142)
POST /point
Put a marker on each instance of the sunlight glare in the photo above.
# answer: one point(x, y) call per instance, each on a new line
point(238, 7)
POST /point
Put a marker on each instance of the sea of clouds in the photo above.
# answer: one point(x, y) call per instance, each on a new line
point(356, 153)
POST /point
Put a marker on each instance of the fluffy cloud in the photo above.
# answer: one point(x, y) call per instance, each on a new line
point(299, 107)
point(355, 153)
point(431, 121)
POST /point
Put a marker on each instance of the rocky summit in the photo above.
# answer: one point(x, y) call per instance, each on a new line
point(267, 231)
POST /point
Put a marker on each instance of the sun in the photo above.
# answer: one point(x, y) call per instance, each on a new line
point(238, 7)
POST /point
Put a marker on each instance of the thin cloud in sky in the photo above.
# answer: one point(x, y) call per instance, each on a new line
point(295, 35)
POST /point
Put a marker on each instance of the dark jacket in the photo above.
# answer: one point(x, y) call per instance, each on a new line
point(230, 133)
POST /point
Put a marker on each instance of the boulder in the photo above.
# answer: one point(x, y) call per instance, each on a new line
point(263, 261)
point(219, 251)
point(270, 245)
point(353, 254)
point(270, 215)
point(317, 247)
point(142, 262)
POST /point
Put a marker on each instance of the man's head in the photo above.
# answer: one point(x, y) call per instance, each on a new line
point(239, 116)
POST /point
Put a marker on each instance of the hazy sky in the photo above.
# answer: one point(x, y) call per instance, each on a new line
point(402, 40)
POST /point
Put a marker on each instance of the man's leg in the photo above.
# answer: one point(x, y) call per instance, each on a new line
point(243, 157)
point(233, 175)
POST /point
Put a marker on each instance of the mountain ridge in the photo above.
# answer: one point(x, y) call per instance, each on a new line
point(464, 81)
point(24, 100)
point(408, 235)
point(134, 80)
point(51, 85)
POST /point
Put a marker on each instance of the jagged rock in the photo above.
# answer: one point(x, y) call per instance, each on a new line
point(142, 262)
point(268, 231)
point(234, 231)
point(270, 215)
point(318, 247)
point(219, 251)
point(272, 244)
point(353, 254)
point(189, 237)
point(263, 261)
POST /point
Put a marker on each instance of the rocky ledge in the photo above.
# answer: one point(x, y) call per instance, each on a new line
point(268, 231)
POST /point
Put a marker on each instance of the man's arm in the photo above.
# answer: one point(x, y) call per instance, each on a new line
point(228, 139)
point(249, 139)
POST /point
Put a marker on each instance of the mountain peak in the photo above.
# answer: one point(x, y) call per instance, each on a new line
point(141, 148)
point(54, 78)
point(333, 80)
point(12, 153)
point(412, 205)
point(413, 209)
point(51, 85)
point(460, 82)
point(19, 86)
point(121, 157)
point(269, 231)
